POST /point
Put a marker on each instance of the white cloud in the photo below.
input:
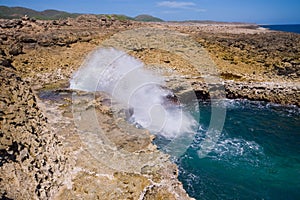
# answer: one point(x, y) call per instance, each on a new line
point(170, 12)
point(175, 4)
point(180, 5)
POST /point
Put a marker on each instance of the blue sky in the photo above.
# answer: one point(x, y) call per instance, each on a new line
point(257, 11)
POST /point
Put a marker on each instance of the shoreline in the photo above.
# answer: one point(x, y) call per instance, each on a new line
point(43, 55)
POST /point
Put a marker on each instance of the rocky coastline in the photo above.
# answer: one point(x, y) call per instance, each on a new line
point(42, 156)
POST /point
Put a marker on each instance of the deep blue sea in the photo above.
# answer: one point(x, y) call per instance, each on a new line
point(294, 28)
point(257, 155)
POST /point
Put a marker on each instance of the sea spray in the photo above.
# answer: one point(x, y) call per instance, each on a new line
point(150, 104)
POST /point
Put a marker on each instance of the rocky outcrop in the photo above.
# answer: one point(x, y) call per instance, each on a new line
point(254, 53)
point(264, 56)
point(285, 94)
point(34, 46)
point(57, 32)
point(32, 164)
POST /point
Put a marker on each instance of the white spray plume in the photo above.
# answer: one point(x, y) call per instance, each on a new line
point(124, 77)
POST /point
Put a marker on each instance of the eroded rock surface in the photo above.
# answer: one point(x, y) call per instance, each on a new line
point(32, 164)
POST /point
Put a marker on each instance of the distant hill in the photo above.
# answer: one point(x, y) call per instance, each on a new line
point(17, 12)
point(118, 17)
point(147, 18)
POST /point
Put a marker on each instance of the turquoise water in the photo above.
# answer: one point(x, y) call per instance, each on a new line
point(257, 155)
point(295, 28)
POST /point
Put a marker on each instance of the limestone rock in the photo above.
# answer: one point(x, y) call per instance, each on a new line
point(31, 162)
point(16, 49)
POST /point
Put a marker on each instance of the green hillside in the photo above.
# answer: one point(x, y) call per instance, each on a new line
point(117, 17)
point(147, 18)
point(17, 12)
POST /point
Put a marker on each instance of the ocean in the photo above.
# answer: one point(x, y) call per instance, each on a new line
point(294, 28)
point(257, 154)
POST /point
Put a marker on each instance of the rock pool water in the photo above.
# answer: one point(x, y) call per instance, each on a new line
point(257, 155)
